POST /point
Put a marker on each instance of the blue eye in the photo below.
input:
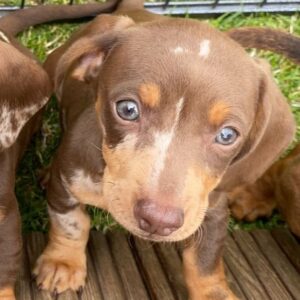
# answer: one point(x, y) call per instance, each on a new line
point(226, 136)
point(127, 110)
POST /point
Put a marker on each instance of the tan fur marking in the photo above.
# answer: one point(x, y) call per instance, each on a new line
point(2, 213)
point(209, 287)
point(150, 94)
point(218, 113)
point(7, 293)
point(62, 265)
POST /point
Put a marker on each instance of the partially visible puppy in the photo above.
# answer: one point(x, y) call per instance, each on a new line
point(24, 89)
point(279, 187)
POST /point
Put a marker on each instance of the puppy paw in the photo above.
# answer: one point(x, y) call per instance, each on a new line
point(245, 204)
point(57, 275)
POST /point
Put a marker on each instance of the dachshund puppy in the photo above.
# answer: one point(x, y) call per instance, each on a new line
point(162, 117)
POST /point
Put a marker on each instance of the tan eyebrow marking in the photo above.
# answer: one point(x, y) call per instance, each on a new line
point(217, 113)
point(150, 94)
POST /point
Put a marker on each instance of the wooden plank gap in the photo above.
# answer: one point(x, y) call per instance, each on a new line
point(278, 260)
point(107, 275)
point(289, 245)
point(243, 272)
point(233, 283)
point(173, 269)
point(262, 268)
point(125, 262)
point(151, 270)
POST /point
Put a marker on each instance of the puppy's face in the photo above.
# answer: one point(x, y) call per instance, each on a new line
point(175, 107)
point(176, 101)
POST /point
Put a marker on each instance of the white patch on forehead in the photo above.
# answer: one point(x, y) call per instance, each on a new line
point(4, 38)
point(162, 141)
point(13, 120)
point(204, 48)
point(179, 50)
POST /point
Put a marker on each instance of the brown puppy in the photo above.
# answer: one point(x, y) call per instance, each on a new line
point(162, 117)
point(24, 90)
point(277, 188)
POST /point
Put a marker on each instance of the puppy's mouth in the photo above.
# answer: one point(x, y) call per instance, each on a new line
point(167, 224)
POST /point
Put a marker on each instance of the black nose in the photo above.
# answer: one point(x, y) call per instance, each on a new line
point(154, 218)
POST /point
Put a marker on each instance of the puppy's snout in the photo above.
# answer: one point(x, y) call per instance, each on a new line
point(154, 218)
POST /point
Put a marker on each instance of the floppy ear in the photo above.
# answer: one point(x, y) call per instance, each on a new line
point(83, 59)
point(272, 131)
point(24, 89)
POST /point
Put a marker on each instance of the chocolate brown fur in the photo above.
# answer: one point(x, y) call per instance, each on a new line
point(24, 90)
point(197, 81)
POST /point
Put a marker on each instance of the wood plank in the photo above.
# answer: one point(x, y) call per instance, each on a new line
point(285, 270)
point(261, 266)
point(107, 275)
point(23, 290)
point(288, 245)
point(242, 271)
point(91, 290)
point(233, 283)
point(171, 263)
point(152, 272)
point(34, 246)
point(126, 266)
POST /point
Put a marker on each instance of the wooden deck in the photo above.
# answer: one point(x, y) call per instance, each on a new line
point(260, 265)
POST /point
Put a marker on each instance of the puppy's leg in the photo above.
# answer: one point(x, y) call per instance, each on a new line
point(255, 200)
point(259, 199)
point(10, 226)
point(202, 258)
point(10, 244)
point(62, 265)
point(250, 202)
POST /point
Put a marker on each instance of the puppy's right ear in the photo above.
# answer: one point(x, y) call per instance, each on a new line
point(84, 58)
point(24, 89)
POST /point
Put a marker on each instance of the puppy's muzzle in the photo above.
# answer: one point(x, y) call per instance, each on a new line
point(157, 219)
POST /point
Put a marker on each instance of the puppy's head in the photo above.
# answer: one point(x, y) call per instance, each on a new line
point(24, 89)
point(179, 104)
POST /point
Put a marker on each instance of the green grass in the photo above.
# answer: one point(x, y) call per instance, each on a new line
point(43, 39)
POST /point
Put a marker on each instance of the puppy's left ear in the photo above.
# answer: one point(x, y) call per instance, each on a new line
point(84, 58)
point(272, 131)
point(24, 89)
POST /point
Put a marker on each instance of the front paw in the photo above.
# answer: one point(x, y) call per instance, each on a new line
point(246, 205)
point(58, 275)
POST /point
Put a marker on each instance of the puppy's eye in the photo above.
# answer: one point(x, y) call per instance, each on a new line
point(226, 136)
point(127, 110)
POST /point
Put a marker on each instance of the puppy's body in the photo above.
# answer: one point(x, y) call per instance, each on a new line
point(24, 90)
point(164, 174)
